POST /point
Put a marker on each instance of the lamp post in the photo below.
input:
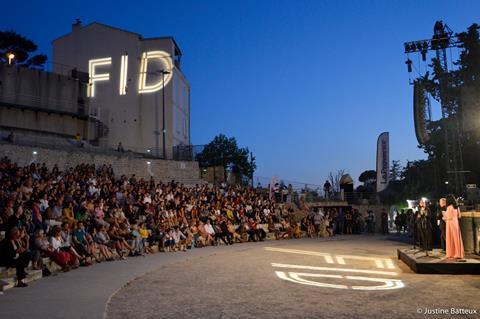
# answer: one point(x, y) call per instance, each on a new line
point(163, 111)
point(10, 57)
point(162, 72)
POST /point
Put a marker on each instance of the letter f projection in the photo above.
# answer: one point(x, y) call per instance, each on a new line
point(94, 77)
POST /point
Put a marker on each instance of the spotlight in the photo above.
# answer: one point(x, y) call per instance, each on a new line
point(424, 55)
point(409, 65)
point(148, 163)
point(34, 152)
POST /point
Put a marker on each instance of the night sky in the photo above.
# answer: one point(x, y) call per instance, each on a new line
point(306, 85)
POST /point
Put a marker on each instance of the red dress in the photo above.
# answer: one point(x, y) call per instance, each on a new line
point(453, 234)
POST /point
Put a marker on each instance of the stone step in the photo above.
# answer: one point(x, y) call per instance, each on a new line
point(6, 272)
point(10, 282)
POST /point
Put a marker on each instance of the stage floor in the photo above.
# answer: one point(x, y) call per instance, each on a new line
point(436, 263)
point(348, 277)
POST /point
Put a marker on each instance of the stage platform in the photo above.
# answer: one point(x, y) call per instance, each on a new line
point(436, 263)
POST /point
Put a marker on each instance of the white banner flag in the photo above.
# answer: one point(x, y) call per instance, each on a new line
point(383, 162)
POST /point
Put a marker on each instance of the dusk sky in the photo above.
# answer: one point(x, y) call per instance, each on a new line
point(307, 85)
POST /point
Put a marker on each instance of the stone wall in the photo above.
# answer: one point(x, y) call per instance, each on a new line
point(123, 164)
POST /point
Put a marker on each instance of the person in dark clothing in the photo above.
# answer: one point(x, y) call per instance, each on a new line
point(442, 207)
point(16, 220)
point(326, 188)
point(224, 231)
point(220, 234)
point(255, 233)
point(384, 222)
point(424, 227)
point(14, 255)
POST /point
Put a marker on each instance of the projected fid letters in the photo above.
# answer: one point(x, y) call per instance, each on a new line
point(161, 56)
point(342, 274)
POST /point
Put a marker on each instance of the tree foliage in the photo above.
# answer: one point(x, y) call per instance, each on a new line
point(368, 177)
point(395, 171)
point(224, 151)
point(22, 48)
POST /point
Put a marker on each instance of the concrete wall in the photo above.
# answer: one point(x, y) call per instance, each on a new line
point(43, 102)
point(125, 164)
point(133, 118)
point(42, 122)
point(35, 88)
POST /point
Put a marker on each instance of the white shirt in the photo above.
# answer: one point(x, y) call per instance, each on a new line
point(43, 205)
point(209, 229)
point(147, 199)
point(56, 243)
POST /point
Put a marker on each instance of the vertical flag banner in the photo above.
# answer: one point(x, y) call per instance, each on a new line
point(383, 161)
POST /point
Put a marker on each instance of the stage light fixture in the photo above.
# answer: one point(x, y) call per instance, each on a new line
point(424, 55)
point(409, 65)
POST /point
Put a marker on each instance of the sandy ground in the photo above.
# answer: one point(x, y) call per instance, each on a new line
point(243, 283)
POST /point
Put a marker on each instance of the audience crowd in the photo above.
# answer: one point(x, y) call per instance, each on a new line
point(86, 214)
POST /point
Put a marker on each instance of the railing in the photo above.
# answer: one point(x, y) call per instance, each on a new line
point(309, 192)
point(69, 144)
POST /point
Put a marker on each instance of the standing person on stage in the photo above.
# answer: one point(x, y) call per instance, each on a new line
point(442, 207)
point(424, 226)
point(454, 244)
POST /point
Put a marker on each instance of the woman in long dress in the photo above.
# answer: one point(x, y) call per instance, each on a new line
point(453, 235)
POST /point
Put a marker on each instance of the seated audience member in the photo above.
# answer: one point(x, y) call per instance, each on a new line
point(119, 243)
point(103, 242)
point(221, 233)
point(136, 242)
point(68, 244)
point(254, 232)
point(61, 253)
point(233, 232)
point(179, 239)
point(207, 235)
point(14, 255)
point(145, 235)
point(272, 228)
point(51, 220)
point(67, 213)
point(83, 242)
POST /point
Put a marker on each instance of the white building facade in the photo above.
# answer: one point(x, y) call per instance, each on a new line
point(133, 81)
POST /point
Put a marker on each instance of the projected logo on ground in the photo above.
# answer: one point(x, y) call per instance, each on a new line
point(338, 277)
